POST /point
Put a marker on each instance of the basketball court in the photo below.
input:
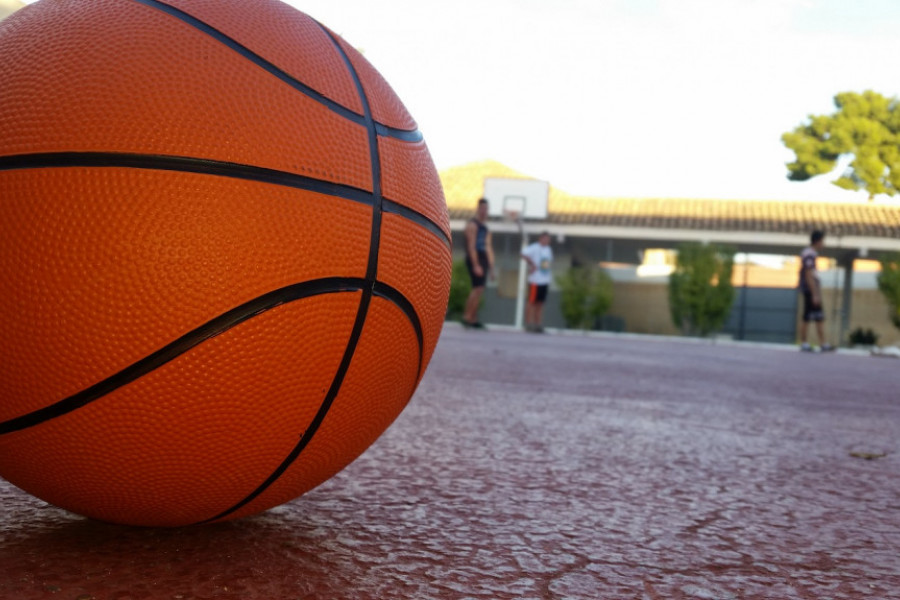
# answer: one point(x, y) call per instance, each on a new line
point(548, 467)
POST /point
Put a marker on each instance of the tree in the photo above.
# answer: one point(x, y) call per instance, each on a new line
point(889, 284)
point(700, 289)
point(585, 295)
point(865, 126)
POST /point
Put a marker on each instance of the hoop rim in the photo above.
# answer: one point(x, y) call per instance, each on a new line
point(514, 216)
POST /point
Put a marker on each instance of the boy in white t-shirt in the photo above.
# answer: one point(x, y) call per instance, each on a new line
point(539, 257)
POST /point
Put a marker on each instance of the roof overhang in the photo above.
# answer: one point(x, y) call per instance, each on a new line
point(760, 242)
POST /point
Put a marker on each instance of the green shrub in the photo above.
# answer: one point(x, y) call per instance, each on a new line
point(700, 289)
point(460, 286)
point(585, 296)
point(889, 284)
point(863, 337)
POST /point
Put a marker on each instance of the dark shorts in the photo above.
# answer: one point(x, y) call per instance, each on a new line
point(537, 294)
point(811, 311)
point(478, 280)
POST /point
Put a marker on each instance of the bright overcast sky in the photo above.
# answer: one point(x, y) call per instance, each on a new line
point(639, 98)
point(636, 98)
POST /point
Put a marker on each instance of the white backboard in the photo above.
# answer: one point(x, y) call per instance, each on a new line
point(526, 196)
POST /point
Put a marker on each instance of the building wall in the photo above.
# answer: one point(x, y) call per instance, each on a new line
point(870, 311)
point(644, 307)
point(641, 305)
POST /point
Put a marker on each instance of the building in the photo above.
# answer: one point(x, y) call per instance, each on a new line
point(619, 232)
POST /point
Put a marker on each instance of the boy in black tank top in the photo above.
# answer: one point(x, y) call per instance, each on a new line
point(479, 261)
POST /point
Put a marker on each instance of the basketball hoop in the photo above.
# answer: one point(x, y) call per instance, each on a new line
point(514, 216)
point(528, 197)
point(516, 200)
point(514, 209)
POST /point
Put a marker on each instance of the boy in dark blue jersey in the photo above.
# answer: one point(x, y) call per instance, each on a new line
point(479, 261)
point(811, 288)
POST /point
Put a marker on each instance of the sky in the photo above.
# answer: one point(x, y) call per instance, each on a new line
point(629, 98)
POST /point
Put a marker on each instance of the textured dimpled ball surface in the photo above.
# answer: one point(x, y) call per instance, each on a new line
point(229, 261)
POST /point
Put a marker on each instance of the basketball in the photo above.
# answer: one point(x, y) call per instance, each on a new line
point(224, 256)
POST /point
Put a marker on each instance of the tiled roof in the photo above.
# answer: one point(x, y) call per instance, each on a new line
point(463, 186)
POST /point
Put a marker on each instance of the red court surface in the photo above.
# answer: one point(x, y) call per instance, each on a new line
point(548, 467)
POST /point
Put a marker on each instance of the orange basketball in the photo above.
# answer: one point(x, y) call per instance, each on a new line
point(224, 256)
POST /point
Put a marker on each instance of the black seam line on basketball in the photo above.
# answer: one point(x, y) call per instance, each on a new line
point(365, 300)
point(380, 290)
point(173, 350)
point(201, 166)
point(184, 164)
point(404, 135)
point(400, 134)
point(374, 158)
point(416, 217)
point(307, 436)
